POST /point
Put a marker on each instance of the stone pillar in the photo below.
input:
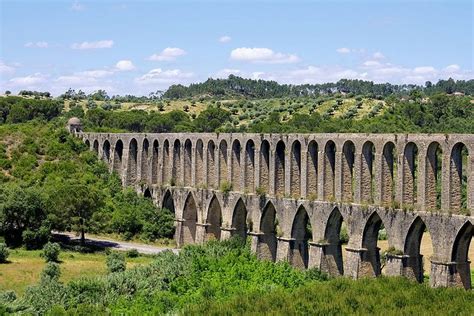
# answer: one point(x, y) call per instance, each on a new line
point(358, 265)
point(399, 184)
point(321, 175)
point(338, 176)
point(410, 267)
point(421, 185)
point(205, 166)
point(243, 168)
point(226, 232)
point(358, 177)
point(284, 249)
point(178, 234)
point(450, 274)
point(125, 158)
point(201, 232)
point(257, 169)
point(254, 241)
point(271, 172)
point(230, 164)
point(446, 183)
point(139, 162)
point(326, 257)
point(180, 181)
point(378, 180)
point(304, 173)
point(470, 181)
point(193, 165)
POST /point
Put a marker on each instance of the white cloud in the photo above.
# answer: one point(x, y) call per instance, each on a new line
point(423, 70)
point(371, 63)
point(28, 81)
point(343, 50)
point(95, 73)
point(93, 45)
point(158, 75)
point(225, 39)
point(452, 68)
point(6, 69)
point(168, 54)
point(124, 65)
point(41, 44)
point(262, 55)
point(224, 73)
point(378, 55)
point(76, 6)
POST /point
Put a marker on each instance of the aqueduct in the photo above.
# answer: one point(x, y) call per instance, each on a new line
point(292, 193)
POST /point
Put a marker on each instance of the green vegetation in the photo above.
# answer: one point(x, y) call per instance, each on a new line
point(116, 262)
point(4, 253)
point(225, 278)
point(51, 252)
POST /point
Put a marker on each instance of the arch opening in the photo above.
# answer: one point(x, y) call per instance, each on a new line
point(416, 237)
point(118, 154)
point(434, 164)
point(214, 220)
point(211, 165)
point(267, 245)
point(167, 162)
point(348, 153)
point(280, 169)
point(188, 231)
point(147, 194)
point(295, 170)
point(95, 147)
point(154, 163)
point(132, 162)
point(460, 256)
point(410, 174)
point(106, 151)
point(335, 235)
point(239, 220)
point(236, 169)
point(371, 265)
point(312, 171)
point(250, 166)
point(176, 171)
point(144, 161)
point(329, 170)
point(264, 182)
point(187, 163)
point(88, 143)
point(367, 173)
point(199, 163)
point(223, 178)
point(388, 171)
point(459, 189)
point(301, 233)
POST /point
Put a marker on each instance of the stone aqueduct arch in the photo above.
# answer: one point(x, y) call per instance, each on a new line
point(291, 193)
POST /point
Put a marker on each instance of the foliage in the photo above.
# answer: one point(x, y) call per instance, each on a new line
point(51, 272)
point(4, 253)
point(133, 253)
point(116, 262)
point(18, 110)
point(51, 252)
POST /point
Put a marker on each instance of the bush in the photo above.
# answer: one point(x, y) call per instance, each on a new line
point(51, 252)
point(51, 272)
point(116, 262)
point(4, 253)
point(133, 253)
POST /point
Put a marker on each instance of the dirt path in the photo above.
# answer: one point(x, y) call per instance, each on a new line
point(120, 245)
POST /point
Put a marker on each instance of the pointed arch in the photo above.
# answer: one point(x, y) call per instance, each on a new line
point(144, 160)
point(312, 169)
point(348, 156)
point(367, 172)
point(95, 147)
point(199, 177)
point(295, 169)
point(412, 249)
point(267, 244)
point(458, 177)
point(132, 162)
point(155, 162)
point(167, 162)
point(235, 168)
point(106, 151)
point(460, 255)
point(388, 173)
point(371, 256)
point(147, 193)
point(433, 176)
point(168, 202)
point(264, 180)
point(190, 217)
point(250, 166)
point(410, 174)
point(214, 220)
point(118, 154)
point(280, 168)
point(301, 233)
point(332, 234)
point(187, 162)
point(88, 143)
point(329, 170)
point(223, 177)
point(239, 220)
point(211, 165)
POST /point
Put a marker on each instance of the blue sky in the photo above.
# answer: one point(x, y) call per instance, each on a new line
point(141, 46)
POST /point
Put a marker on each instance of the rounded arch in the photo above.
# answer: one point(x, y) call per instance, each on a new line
point(95, 146)
point(250, 166)
point(106, 151)
point(187, 162)
point(367, 172)
point(371, 256)
point(388, 173)
point(458, 176)
point(267, 243)
point(264, 179)
point(190, 216)
point(280, 168)
point(329, 166)
point(295, 169)
point(223, 177)
point(132, 162)
point(211, 165)
point(177, 168)
point(167, 162)
point(239, 220)
point(118, 154)
point(332, 235)
point(460, 255)
point(433, 176)
point(235, 167)
point(312, 170)
point(301, 233)
point(155, 162)
point(410, 174)
point(412, 249)
point(348, 154)
point(144, 160)
point(214, 220)
point(199, 164)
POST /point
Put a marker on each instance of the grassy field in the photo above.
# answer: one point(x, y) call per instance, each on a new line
point(25, 266)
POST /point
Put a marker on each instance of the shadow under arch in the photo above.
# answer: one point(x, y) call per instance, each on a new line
point(239, 220)
point(412, 249)
point(334, 264)
point(370, 265)
point(301, 234)
point(267, 241)
point(460, 255)
point(168, 202)
point(214, 220)
point(190, 216)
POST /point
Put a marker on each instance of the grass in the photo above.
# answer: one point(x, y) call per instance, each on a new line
point(25, 266)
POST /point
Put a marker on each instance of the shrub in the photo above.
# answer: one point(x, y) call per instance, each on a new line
point(116, 262)
point(51, 272)
point(133, 253)
point(4, 253)
point(51, 252)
